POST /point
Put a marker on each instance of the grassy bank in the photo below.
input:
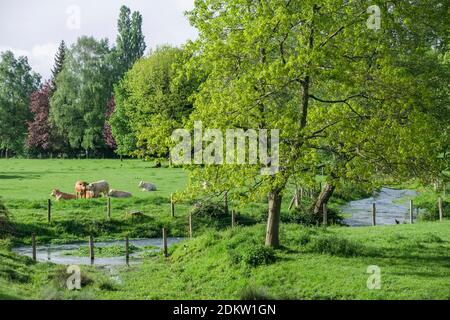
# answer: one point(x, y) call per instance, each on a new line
point(313, 264)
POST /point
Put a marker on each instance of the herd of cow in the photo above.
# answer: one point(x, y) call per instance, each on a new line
point(84, 190)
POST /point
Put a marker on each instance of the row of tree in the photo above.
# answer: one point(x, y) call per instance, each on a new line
point(67, 114)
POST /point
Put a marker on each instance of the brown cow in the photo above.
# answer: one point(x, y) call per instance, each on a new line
point(81, 189)
point(62, 196)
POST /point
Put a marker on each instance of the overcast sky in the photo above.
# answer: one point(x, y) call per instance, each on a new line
point(35, 27)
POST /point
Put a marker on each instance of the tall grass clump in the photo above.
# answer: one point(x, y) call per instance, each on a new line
point(335, 246)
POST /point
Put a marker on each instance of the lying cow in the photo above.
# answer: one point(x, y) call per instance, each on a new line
point(62, 196)
point(98, 188)
point(145, 186)
point(81, 190)
point(119, 194)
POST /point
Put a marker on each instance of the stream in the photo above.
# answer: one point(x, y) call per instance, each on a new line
point(61, 254)
point(391, 204)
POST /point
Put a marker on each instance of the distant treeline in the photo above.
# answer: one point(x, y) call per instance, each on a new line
point(74, 113)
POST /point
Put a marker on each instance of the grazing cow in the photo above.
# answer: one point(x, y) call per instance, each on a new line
point(99, 188)
point(145, 186)
point(119, 194)
point(62, 196)
point(81, 189)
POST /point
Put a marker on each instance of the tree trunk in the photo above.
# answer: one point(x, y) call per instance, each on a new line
point(6, 154)
point(273, 221)
point(323, 198)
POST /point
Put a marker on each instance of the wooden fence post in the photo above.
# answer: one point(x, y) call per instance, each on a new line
point(226, 202)
point(325, 215)
point(411, 212)
point(441, 210)
point(190, 226)
point(127, 250)
point(108, 205)
point(33, 244)
point(172, 206)
point(49, 210)
point(374, 214)
point(91, 249)
point(165, 242)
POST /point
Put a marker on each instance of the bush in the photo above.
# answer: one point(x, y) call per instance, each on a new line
point(430, 209)
point(208, 210)
point(305, 217)
point(255, 256)
point(5, 226)
point(333, 245)
point(255, 294)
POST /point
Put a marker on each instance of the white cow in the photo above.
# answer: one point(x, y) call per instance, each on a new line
point(98, 188)
point(119, 194)
point(146, 186)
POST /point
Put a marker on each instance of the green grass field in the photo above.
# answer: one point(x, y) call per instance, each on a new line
point(219, 263)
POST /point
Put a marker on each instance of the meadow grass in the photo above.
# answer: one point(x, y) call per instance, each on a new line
point(219, 263)
point(314, 263)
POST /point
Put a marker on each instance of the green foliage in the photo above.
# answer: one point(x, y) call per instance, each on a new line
point(17, 82)
point(344, 97)
point(59, 62)
point(5, 226)
point(151, 102)
point(304, 216)
point(77, 108)
point(209, 209)
point(258, 255)
point(253, 293)
point(334, 245)
point(105, 252)
point(130, 41)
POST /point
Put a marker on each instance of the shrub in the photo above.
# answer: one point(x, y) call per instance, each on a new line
point(258, 255)
point(208, 210)
point(5, 226)
point(430, 209)
point(254, 293)
point(305, 217)
point(333, 245)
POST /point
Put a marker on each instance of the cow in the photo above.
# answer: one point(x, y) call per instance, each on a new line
point(89, 195)
point(119, 194)
point(62, 196)
point(98, 188)
point(145, 186)
point(81, 189)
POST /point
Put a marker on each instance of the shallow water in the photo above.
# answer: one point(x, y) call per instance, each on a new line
point(391, 205)
point(58, 254)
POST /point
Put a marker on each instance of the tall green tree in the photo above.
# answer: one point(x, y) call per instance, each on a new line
point(17, 82)
point(334, 87)
point(78, 107)
point(151, 101)
point(59, 62)
point(130, 42)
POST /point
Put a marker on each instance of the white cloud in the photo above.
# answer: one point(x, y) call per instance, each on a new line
point(40, 57)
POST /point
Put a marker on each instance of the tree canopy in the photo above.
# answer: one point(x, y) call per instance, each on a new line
point(17, 82)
